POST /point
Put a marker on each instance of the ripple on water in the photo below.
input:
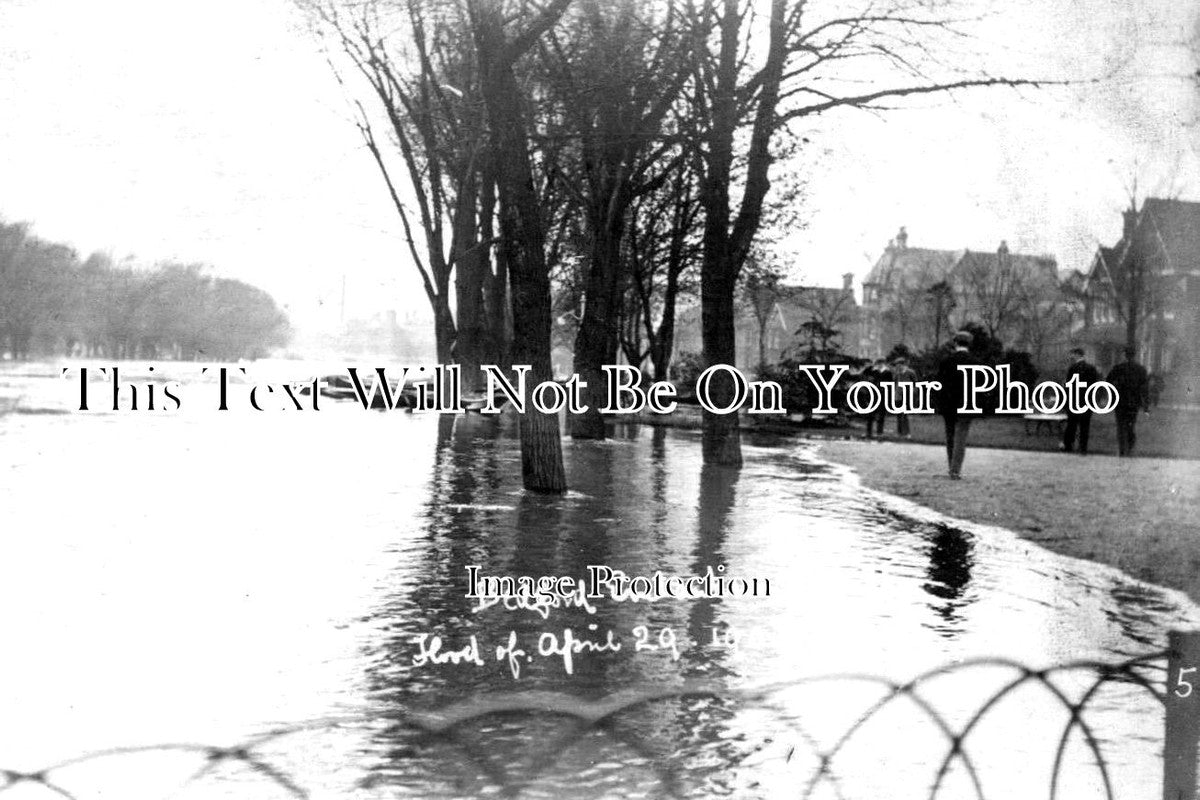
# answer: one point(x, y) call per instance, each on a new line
point(193, 577)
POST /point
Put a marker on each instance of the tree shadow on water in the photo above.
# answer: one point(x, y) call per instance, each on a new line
point(951, 561)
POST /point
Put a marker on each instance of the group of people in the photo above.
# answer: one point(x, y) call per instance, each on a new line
point(1132, 383)
point(1128, 377)
point(881, 372)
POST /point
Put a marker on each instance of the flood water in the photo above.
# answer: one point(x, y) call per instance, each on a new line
point(199, 577)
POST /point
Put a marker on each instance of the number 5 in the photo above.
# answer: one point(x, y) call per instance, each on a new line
point(1180, 683)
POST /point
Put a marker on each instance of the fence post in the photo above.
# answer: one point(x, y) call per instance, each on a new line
point(1183, 716)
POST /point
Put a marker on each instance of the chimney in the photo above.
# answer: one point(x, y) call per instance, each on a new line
point(902, 239)
point(848, 282)
point(1130, 219)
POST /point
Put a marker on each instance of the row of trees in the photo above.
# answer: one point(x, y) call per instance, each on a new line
point(615, 148)
point(1033, 311)
point(51, 303)
point(829, 313)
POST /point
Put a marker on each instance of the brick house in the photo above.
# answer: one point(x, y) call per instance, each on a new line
point(780, 317)
point(1145, 290)
point(919, 297)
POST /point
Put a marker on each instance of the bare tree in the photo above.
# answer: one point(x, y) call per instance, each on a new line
point(1129, 279)
point(992, 290)
point(802, 65)
point(940, 303)
point(503, 34)
point(444, 76)
point(613, 71)
point(662, 248)
point(417, 60)
point(760, 289)
point(833, 309)
point(1044, 319)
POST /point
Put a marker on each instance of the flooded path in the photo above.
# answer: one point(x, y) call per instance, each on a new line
point(207, 577)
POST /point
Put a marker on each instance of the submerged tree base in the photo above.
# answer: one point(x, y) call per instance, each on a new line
point(541, 454)
point(722, 440)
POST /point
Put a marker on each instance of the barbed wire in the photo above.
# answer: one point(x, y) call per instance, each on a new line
point(585, 717)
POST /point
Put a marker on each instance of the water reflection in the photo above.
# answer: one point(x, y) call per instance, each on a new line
point(642, 503)
point(951, 557)
point(718, 490)
point(330, 576)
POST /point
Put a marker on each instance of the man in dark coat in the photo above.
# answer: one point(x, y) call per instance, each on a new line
point(1080, 423)
point(878, 374)
point(1133, 395)
point(903, 373)
point(950, 400)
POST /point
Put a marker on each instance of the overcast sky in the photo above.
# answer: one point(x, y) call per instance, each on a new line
point(214, 132)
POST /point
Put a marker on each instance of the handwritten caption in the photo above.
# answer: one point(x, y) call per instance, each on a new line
point(562, 646)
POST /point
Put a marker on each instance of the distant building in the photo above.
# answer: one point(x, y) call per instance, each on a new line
point(785, 319)
point(899, 304)
point(383, 336)
point(1145, 290)
point(918, 297)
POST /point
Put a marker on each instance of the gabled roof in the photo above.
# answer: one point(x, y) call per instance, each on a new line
point(811, 295)
point(1103, 263)
point(918, 266)
point(911, 265)
point(1177, 224)
point(795, 304)
point(1173, 223)
point(1043, 269)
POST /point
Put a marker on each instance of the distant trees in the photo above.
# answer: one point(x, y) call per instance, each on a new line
point(993, 290)
point(1045, 318)
point(831, 310)
point(1132, 285)
point(760, 288)
point(819, 341)
point(53, 304)
point(423, 122)
point(939, 302)
point(662, 251)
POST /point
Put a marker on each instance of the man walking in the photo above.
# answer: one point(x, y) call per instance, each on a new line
point(950, 400)
point(878, 374)
point(1080, 423)
point(903, 373)
point(1133, 395)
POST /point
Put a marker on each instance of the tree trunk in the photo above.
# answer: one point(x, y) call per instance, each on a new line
point(762, 345)
point(596, 341)
point(722, 441)
point(663, 344)
point(664, 341)
point(1135, 306)
point(469, 267)
point(523, 247)
point(443, 330)
point(495, 282)
point(726, 247)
